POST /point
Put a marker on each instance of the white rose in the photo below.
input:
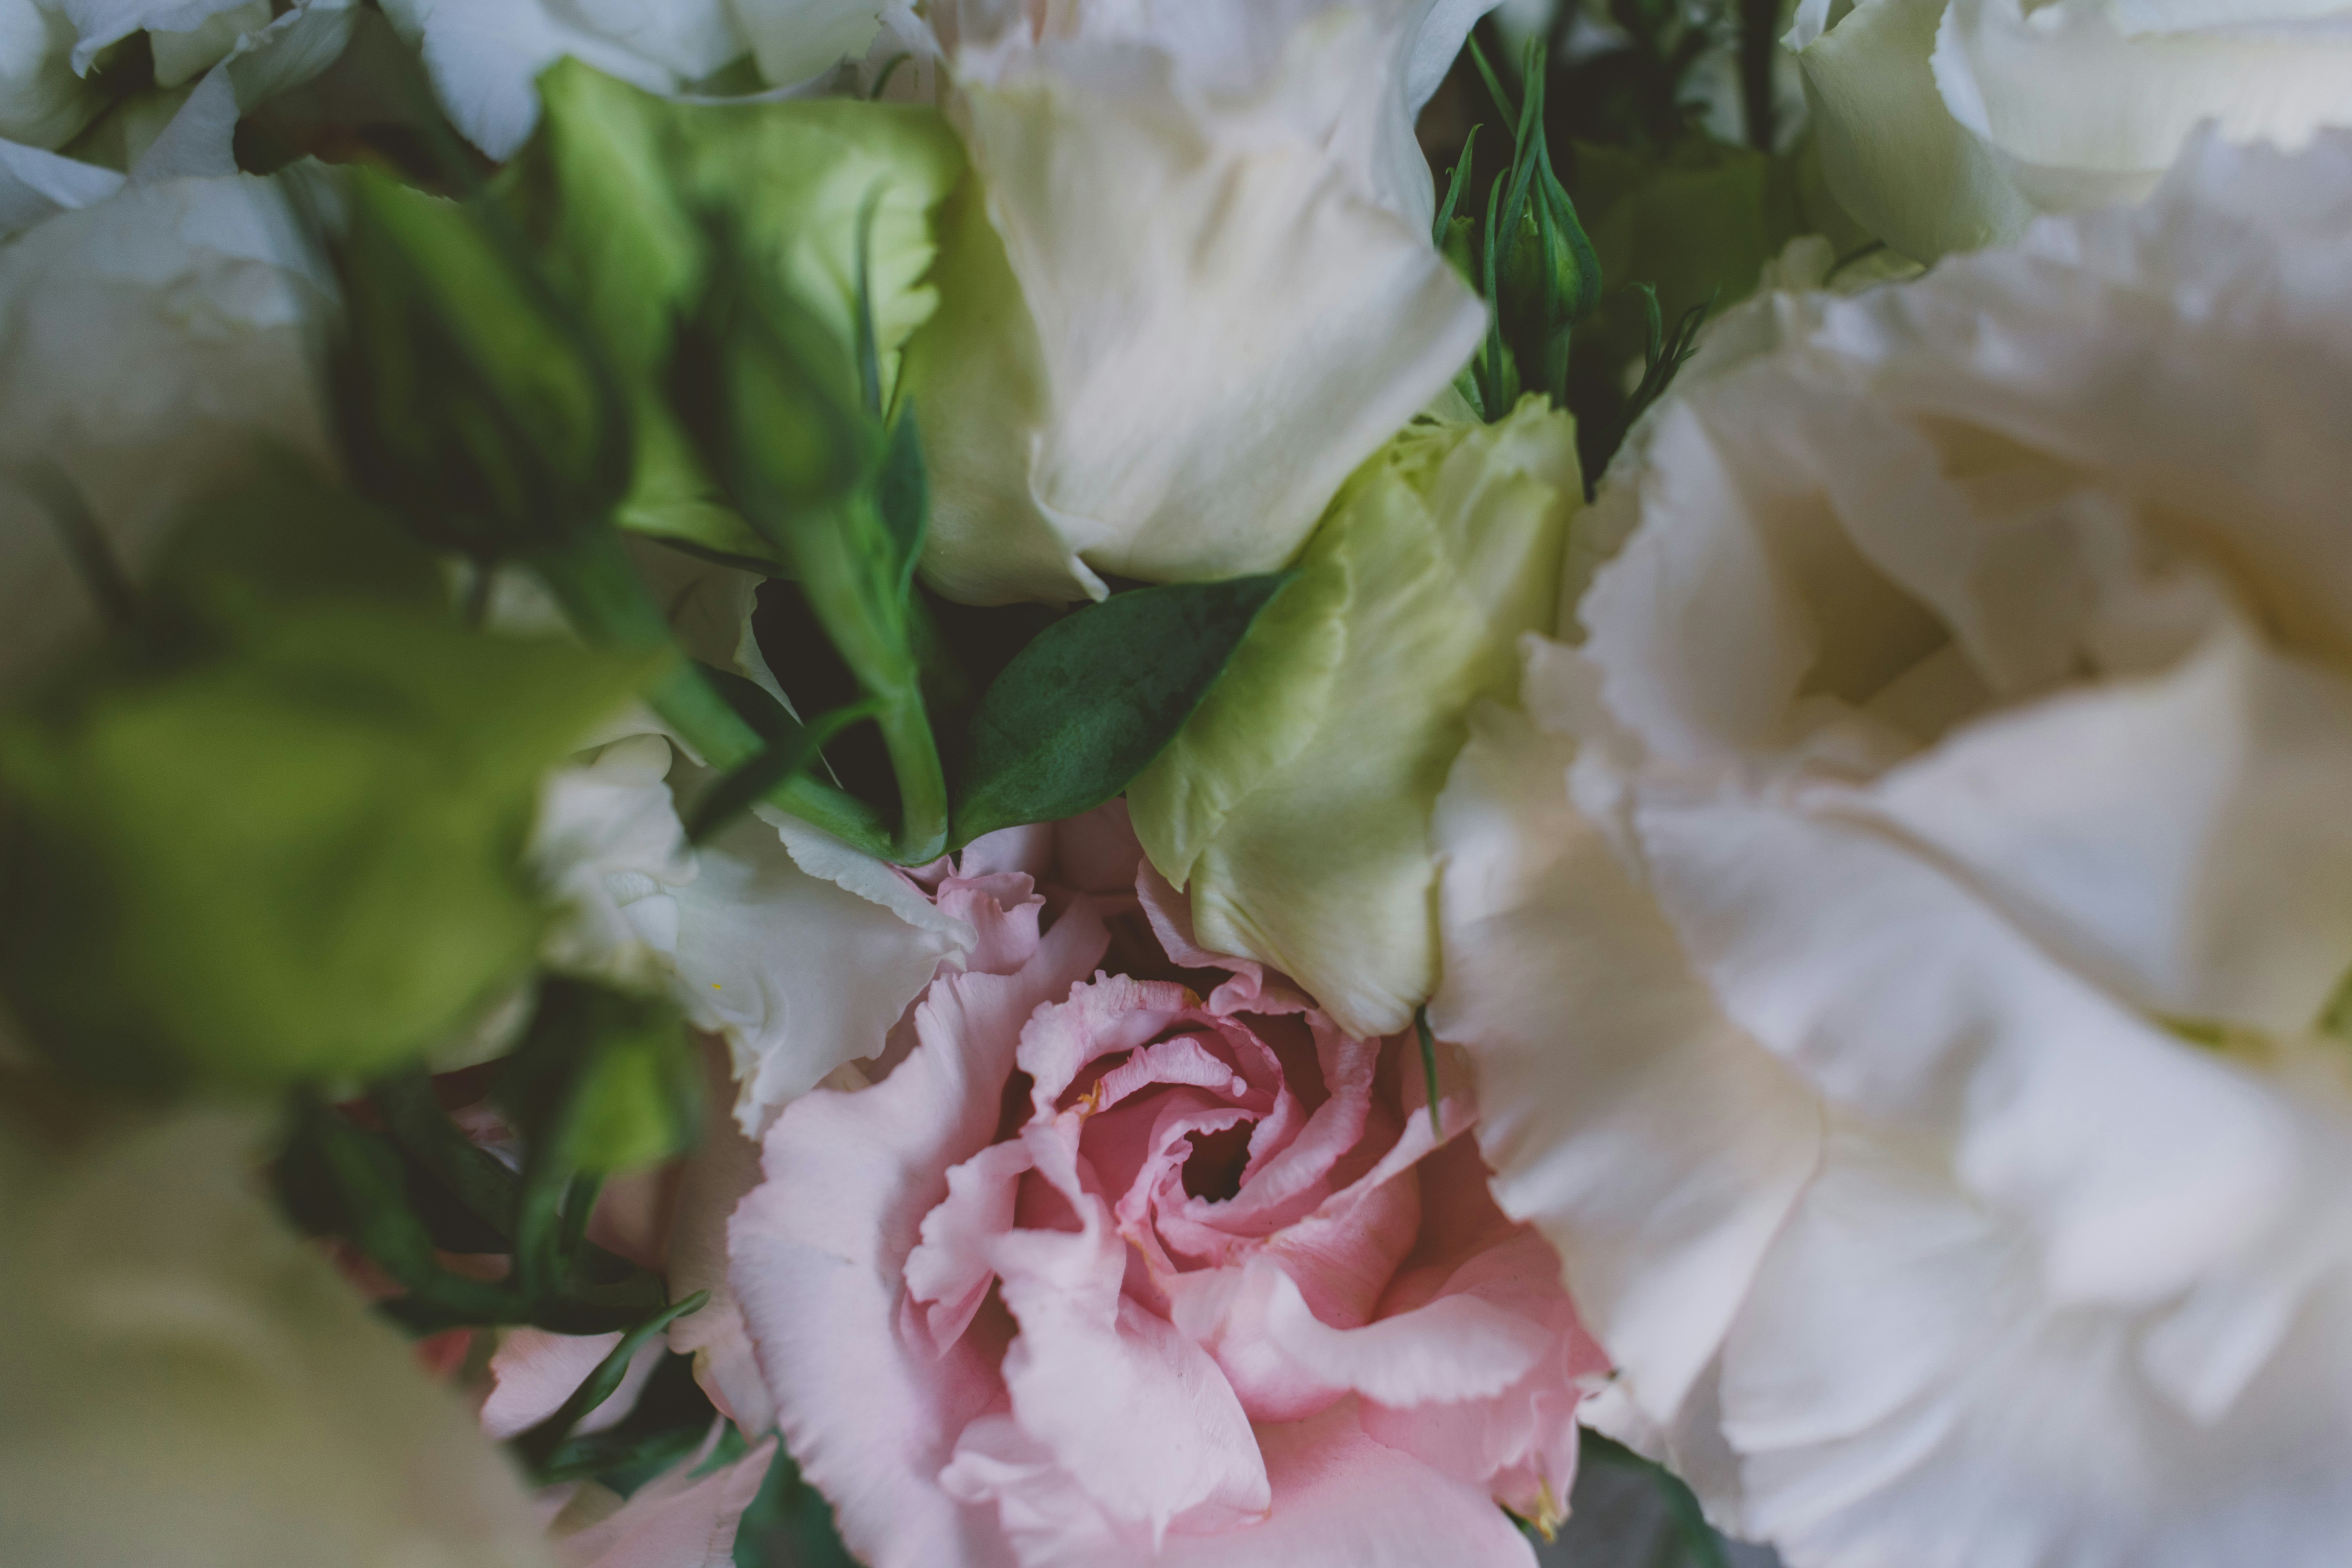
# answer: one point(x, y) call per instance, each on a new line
point(1948, 124)
point(485, 56)
point(184, 1381)
point(1903, 944)
point(1195, 289)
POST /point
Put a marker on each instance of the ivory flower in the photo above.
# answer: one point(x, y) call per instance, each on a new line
point(1901, 944)
point(1294, 807)
point(157, 343)
point(1193, 289)
point(187, 1383)
point(1948, 124)
point(1105, 1271)
point(485, 56)
point(799, 951)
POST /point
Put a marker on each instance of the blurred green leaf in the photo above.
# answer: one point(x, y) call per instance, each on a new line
point(614, 187)
point(601, 1080)
point(295, 856)
point(1087, 706)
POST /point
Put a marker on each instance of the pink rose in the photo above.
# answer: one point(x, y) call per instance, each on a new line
point(1103, 1272)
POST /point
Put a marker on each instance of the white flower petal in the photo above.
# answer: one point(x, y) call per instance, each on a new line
point(157, 341)
point(800, 972)
point(36, 185)
point(187, 1381)
point(1655, 1147)
point(1211, 320)
point(1901, 1397)
point(485, 56)
point(795, 39)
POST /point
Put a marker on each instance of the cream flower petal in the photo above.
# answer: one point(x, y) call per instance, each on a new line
point(158, 343)
point(1655, 1147)
point(1198, 321)
point(187, 1381)
point(1839, 1389)
point(1893, 154)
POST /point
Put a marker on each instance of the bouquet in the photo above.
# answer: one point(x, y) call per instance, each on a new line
point(1323, 784)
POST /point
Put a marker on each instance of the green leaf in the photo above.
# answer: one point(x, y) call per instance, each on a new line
point(537, 1445)
point(602, 1081)
point(612, 188)
point(1428, 1066)
point(756, 381)
point(1098, 694)
point(338, 1177)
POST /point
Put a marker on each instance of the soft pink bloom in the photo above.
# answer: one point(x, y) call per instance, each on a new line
point(1135, 1257)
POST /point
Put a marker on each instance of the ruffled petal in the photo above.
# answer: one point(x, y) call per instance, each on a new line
point(677, 1520)
point(1656, 1148)
point(819, 1253)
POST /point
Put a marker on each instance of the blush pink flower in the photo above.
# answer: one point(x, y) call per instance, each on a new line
point(1134, 1257)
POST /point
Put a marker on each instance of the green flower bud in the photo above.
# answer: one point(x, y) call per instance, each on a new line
point(467, 391)
point(286, 844)
point(1294, 804)
point(832, 199)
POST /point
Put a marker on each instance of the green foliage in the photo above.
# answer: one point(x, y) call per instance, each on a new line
point(602, 1081)
point(469, 393)
point(278, 835)
point(777, 416)
point(543, 1441)
point(1528, 257)
point(1087, 705)
point(830, 202)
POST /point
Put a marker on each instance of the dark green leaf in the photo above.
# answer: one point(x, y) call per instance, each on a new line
point(540, 1442)
point(1087, 706)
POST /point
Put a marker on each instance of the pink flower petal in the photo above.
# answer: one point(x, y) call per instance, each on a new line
point(1131, 1409)
point(532, 1372)
point(949, 1272)
point(675, 1521)
point(819, 1253)
point(1341, 1500)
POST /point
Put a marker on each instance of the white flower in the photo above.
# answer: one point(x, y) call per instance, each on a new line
point(485, 56)
point(801, 951)
point(1195, 289)
point(184, 1381)
point(1947, 124)
point(1901, 947)
point(212, 60)
point(150, 346)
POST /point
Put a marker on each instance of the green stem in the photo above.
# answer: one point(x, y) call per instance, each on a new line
point(607, 601)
